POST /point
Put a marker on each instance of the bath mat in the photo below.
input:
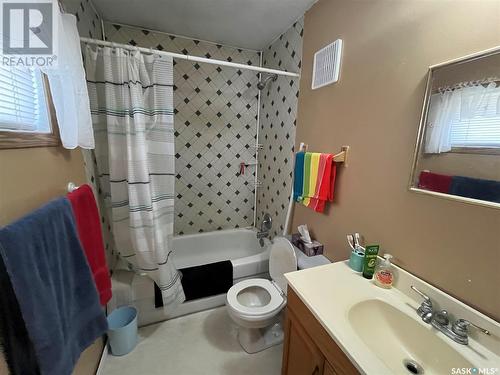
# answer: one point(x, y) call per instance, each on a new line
point(203, 281)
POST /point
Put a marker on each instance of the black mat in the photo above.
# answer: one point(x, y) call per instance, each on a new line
point(203, 281)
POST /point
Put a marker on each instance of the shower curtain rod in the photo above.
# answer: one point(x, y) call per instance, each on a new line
point(189, 57)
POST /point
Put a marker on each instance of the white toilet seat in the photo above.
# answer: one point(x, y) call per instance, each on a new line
point(276, 302)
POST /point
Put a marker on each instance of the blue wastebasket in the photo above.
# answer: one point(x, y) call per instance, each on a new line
point(122, 331)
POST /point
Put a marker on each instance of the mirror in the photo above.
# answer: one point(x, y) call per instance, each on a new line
point(457, 153)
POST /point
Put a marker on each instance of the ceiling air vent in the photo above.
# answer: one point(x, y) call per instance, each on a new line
point(327, 65)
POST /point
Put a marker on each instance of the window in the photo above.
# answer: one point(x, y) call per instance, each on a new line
point(25, 109)
point(464, 120)
point(477, 123)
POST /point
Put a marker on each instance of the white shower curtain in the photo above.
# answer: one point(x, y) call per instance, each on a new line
point(131, 99)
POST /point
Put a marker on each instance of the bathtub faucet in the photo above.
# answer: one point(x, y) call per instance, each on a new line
point(265, 226)
point(262, 234)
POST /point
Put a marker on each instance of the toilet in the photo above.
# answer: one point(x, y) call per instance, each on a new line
point(255, 304)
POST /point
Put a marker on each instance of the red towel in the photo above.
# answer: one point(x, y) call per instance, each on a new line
point(89, 230)
point(434, 182)
point(326, 185)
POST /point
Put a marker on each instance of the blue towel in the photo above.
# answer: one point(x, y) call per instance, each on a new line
point(298, 176)
point(487, 190)
point(53, 285)
point(16, 345)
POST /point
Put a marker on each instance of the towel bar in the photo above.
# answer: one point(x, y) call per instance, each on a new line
point(341, 157)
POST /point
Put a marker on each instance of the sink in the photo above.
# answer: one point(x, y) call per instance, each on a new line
point(401, 342)
point(380, 331)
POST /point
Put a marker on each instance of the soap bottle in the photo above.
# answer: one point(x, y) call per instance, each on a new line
point(384, 276)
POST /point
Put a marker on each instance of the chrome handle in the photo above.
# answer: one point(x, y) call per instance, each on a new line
point(425, 310)
point(460, 326)
point(442, 318)
point(422, 294)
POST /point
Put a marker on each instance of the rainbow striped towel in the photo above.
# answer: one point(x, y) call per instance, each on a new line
point(314, 179)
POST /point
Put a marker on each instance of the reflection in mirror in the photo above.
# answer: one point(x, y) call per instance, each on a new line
point(458, 146)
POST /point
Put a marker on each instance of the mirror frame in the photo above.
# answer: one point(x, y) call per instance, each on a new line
point(421, 131)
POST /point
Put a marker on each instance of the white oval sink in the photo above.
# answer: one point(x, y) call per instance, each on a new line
point(394, 338)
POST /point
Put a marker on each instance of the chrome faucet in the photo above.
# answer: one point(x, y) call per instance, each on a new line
point(265, 226)
point(440, 320)
point(262, 234)
point(425, 310)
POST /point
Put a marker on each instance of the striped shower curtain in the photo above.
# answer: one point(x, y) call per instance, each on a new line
point(131, 100)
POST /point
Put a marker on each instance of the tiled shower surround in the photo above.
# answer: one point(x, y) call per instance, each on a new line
point(87, 20)
point(216, 112)
point(278, 116)
point(215, 129)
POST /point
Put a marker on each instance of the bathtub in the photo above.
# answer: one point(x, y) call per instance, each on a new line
point(241, 246)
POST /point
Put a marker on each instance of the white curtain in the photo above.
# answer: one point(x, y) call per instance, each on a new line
point(442, 109)
point(68, 87)
point(454, 111)
point(131, 98)
point(476, 101)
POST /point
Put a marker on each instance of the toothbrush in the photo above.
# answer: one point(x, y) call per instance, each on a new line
point(360, 241)
point(350, 240)
point(356, 240)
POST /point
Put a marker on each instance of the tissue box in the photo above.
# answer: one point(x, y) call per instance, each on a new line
point(310, 249)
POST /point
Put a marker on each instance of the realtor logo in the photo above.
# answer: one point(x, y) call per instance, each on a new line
point(28, 32)
point(27, 28)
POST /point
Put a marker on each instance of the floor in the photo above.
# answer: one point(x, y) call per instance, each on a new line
point(203, 343)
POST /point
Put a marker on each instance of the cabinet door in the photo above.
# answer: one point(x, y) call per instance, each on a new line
point(329, 369)
point(302, 357)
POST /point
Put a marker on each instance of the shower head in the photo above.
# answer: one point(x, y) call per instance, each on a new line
point(263, 83)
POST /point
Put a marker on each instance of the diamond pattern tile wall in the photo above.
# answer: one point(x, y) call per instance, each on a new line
point(215, 129)
point(277, 127)
point(87, 20)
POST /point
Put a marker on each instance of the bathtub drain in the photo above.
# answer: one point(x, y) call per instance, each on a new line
point(413, 367)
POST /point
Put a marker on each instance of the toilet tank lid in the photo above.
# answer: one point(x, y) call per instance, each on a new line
point(282, 259)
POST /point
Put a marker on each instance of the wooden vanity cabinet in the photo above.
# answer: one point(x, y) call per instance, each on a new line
point(328, 370)
point(308, 349)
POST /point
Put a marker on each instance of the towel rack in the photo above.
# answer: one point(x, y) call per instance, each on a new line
point(71, 187)
point(341, 157)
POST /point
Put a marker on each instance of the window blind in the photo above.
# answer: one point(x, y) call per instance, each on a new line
point(482, 129)
point(22, 101)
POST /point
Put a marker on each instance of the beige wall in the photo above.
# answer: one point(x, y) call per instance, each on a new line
point(29, 178)
point(375, 108)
